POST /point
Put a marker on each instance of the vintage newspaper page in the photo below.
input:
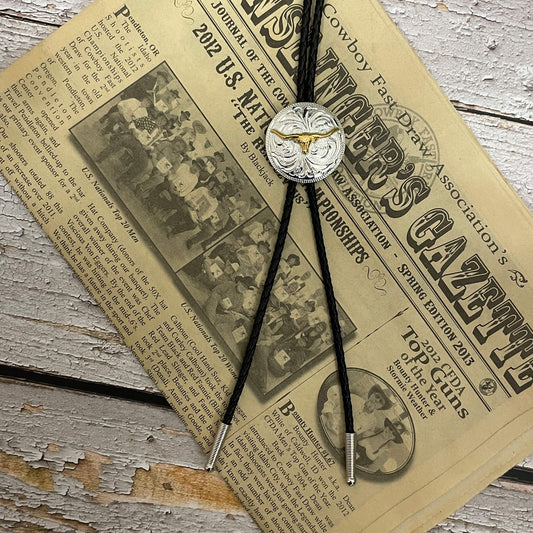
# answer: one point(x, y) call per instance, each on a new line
point(135, 135)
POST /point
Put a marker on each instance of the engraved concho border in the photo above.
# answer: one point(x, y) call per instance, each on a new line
point(324, 155)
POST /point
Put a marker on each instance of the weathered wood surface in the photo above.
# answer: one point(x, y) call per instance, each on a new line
point(74, 462)
point(479, 52)
point(50, 323)
point(476, 49)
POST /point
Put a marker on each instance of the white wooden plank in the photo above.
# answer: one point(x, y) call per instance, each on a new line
point(57, 12)
point(51, 323)
point(18, 37)
point(509, 145)
point(83, 344)
point(79, 462)
point(76, 462)
point(478, 50)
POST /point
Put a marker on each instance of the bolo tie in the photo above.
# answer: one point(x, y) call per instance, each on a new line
point(305, 143)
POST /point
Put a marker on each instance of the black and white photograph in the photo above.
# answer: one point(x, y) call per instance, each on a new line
point(161, 157)
point(384, 431)
point(226, 282)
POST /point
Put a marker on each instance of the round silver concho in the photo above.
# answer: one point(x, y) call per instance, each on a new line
point(305, 142)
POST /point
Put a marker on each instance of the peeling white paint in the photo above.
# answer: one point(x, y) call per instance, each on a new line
point(462, 42)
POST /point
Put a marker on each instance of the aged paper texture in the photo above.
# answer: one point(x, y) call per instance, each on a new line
point(136, 138)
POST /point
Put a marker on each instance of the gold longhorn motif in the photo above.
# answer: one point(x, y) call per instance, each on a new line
point(304, 139)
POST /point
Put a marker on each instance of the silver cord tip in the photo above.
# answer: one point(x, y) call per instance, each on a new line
point(350, 459)
point(217, 445)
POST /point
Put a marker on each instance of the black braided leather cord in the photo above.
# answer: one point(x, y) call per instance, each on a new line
point(302, 52)
point(308, 51)
point(332, 307)
point(314, 39)
point(263, 302)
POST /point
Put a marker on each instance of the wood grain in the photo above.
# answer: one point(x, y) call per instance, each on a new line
point(477, 50)
point(78, 462)
point(75, 462)
point(50, 323)
point(18, 37)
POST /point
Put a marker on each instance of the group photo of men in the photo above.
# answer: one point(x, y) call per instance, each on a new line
point(227, 280)
point(161, 157)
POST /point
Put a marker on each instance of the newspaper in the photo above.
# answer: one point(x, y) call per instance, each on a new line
point(135, 135)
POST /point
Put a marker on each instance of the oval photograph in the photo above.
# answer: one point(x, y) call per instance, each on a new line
point(384, 431)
